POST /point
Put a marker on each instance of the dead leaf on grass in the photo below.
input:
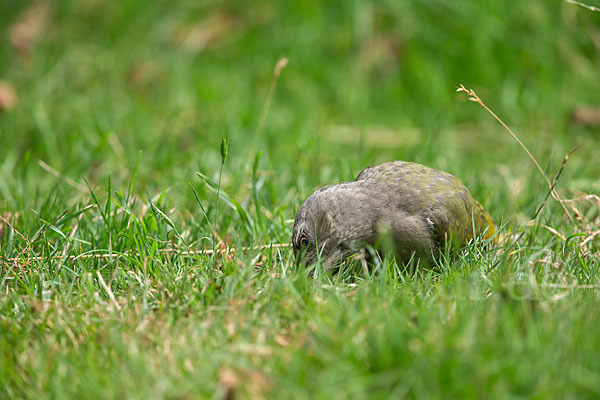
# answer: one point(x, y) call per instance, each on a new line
point(257, 383)
point(144, 74)
point(380, 47)
point(8, 96)
point(207, 33)
point(29, 27)
point(379, 53)
point(222, 251)
point(229, 381)
point(586, 116)
point(282, 340)
point(253, 381)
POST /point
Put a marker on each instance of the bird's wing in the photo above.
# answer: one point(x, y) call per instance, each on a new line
point(458, 217)
point(441, 200)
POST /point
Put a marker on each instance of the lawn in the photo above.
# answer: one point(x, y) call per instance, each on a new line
point(153, 156)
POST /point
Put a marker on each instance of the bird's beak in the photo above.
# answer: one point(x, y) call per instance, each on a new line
point(300, 256)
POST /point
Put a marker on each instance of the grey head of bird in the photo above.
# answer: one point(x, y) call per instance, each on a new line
point(331, 224)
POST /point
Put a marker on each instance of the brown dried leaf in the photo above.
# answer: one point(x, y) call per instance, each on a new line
point(257, 383)
point(379, 53)
point(586, 116)
point(8, 96)
point(282, 341)
point(281, 63)
point(253, 381)
point(229, 381)
point(29, 27)
point(222, 251)
point(144, 74)
point(207, 33)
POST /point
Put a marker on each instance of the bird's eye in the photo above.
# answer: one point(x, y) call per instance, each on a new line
point(303, 240)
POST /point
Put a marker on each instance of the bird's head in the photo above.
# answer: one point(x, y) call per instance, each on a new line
point(315, 234)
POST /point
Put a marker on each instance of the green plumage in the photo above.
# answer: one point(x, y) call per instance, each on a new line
point(418, 207)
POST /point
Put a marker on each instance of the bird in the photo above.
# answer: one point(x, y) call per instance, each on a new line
point(415, 209)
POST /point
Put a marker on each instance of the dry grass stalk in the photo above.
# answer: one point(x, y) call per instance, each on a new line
point(109, 291)
point(591, 8)
point(279, 66)
point(581, 206)
point(26, 249)
point(473, 97)
point(57, 174)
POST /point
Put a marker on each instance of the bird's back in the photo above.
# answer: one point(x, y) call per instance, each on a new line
point(440, 198)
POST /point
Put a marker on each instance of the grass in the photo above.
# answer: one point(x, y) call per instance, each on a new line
point(120, 279)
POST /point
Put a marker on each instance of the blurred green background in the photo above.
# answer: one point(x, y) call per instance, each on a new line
point(366, 82)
